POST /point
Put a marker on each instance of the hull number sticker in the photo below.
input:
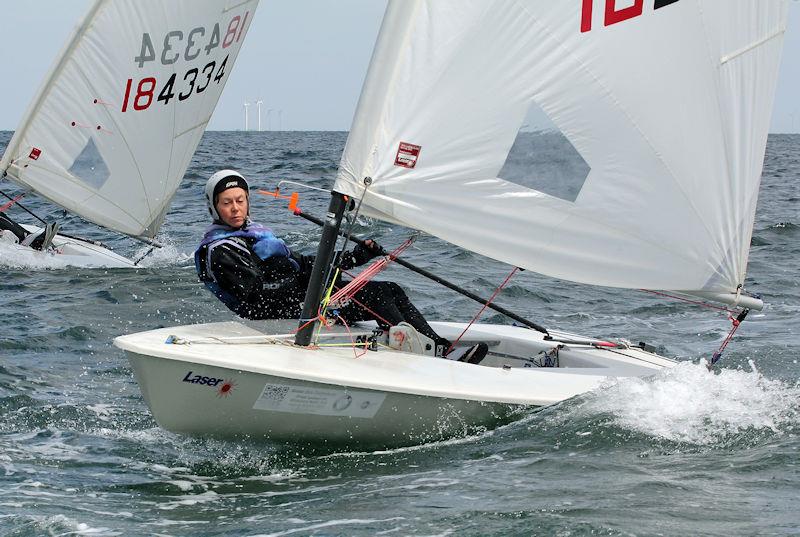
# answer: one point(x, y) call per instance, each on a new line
point(319, 401)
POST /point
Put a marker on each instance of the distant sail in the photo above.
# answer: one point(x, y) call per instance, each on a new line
point(119, 116)
point(668, 102)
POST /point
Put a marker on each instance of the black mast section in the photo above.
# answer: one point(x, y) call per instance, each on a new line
point(327, 247)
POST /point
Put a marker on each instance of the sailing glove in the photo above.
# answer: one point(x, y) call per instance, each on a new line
point(360, 255)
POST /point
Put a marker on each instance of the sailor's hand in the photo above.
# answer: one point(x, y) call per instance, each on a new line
point(361, 254)
point(366, 251)
point(374, 249)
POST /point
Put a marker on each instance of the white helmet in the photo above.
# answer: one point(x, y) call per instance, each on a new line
point(221, 181)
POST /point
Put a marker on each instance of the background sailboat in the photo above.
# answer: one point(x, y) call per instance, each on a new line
point(117, 119)
point(667, 102)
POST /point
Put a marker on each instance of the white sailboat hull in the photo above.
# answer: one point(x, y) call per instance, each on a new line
point(230, 380)
point(320, 413)
point(74, 252)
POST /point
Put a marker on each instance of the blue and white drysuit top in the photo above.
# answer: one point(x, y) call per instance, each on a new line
point(255, 274)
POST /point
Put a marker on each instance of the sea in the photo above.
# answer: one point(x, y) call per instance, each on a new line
point(685, 452)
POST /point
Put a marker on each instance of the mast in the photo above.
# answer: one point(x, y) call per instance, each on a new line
point(327, 244)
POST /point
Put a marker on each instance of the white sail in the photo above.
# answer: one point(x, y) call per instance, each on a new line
point(667, 101)
point(118, 118)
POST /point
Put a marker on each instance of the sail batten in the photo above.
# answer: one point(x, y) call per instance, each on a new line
point(124, 108)
point(725, 59)
point(674, 140)
point(201, 125)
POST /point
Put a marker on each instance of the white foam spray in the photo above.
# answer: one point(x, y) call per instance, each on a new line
point(690, 404)
point(166, 256)
point(12, 256)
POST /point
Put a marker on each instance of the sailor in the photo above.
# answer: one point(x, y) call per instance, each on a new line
point(13, 232)
point(11, 229)
point(257, 276)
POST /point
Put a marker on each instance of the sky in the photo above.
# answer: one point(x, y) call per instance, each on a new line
point(305, 59)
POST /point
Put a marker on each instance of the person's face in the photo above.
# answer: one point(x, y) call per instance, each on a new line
point(232, 206)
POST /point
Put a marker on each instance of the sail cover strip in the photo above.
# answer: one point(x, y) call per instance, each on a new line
point(674, 137)
point(115, 124)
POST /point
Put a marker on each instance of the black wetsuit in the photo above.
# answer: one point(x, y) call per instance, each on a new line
point(275, 287)
point(272, 288)
point(7, 224)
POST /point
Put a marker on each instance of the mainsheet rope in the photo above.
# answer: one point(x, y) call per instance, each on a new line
point(491, 298)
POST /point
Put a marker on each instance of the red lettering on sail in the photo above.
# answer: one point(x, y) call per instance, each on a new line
point(614, 14)
point(586, 15)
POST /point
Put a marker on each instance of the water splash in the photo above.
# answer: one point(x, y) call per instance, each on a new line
point(12, 256)
point(167, 256)
point(15, 257)
point(59, 525)
point(689, 404)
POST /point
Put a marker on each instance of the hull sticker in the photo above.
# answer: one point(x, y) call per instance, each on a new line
point(319, 401)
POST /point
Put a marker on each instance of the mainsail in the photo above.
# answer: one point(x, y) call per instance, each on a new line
point(667, 101)
point(113, 128)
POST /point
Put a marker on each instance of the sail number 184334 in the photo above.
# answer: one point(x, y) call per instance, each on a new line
point(141, 96)
point(143, 92)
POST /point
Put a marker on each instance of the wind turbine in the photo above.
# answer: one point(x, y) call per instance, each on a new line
point(258, 105)
point(246, 115)
point(280, 119)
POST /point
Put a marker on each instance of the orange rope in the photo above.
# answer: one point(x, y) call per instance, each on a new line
point(321, 318)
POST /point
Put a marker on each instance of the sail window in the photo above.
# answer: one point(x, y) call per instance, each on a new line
point(90, 167)
point(543, 159)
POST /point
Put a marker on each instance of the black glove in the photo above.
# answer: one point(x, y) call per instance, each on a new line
point(360, 255)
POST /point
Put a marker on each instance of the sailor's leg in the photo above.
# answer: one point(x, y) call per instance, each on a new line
point(45, 238)
point(412, 315)
point(387, 302)
point(8, 224)
point(374, 302)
